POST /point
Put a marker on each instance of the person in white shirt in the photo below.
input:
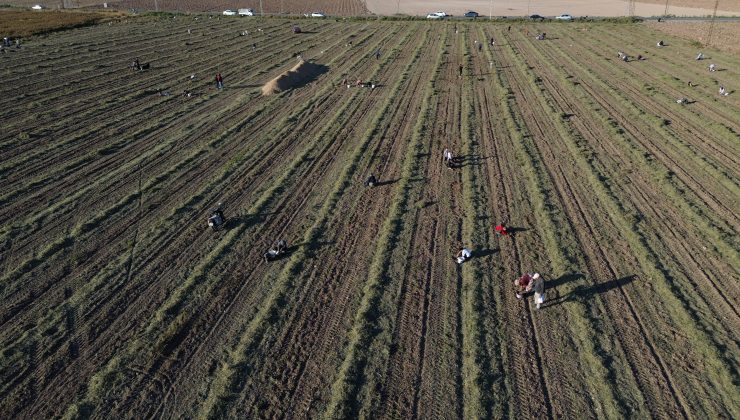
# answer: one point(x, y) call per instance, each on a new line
point(463, 255)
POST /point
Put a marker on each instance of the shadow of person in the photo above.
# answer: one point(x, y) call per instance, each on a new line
point(484, 253)
point(585, 292)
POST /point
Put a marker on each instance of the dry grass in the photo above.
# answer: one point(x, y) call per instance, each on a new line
point(724, 37)
point(27, 22)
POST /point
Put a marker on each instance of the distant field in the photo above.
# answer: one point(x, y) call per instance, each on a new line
point(725, 35)
point(332, 7)
point(25, 22)
point(120, 302)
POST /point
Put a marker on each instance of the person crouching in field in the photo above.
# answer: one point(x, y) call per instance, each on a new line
point(529, 282)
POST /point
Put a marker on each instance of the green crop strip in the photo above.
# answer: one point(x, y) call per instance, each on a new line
point(370, 329)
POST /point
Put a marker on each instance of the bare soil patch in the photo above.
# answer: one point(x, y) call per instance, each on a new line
point(725, 35)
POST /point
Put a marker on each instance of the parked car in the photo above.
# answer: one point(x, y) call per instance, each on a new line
point(437, 15)
point(536, 17)
point(37, 7)
point(564, 17)
point(471, 14)
point(229, 12)
point(246, 12)
point(318, 14)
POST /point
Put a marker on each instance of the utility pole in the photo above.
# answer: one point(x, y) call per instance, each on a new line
point(490, 11)
point(262, 12)
point(156, 6)
point(665, 13)
point(711, 25)
point(398, 7)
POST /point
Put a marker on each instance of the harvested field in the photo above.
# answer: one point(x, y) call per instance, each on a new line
point(25, 22)
point(724, 35)
point(119, 301)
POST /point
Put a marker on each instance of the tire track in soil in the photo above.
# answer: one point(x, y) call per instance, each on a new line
point(525, 348)
point(407, 393)
point(631, 331)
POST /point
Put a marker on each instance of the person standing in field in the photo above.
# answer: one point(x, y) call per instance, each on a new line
point(219, 81)
point(539, 289)
point(461, 70)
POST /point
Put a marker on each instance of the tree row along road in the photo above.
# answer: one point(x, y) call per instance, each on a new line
point(120, 300)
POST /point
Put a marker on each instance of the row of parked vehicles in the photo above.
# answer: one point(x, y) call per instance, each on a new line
point(250, 12)
point(473, 14)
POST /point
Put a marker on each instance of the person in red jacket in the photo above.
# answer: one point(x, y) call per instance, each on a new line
point(219, 81)
point(501, 230)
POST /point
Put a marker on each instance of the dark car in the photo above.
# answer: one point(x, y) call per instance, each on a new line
point(471, 14)
point(536, 17)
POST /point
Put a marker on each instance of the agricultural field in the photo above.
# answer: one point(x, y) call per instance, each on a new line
point(119, 301)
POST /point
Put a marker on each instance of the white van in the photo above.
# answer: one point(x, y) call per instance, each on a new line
point(246, 12)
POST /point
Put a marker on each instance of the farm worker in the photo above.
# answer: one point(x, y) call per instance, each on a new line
point(501, 230)
point(682, 101)
point(508, 29)
point(462, 255)
point(480, 46)
point(219, 81)
point(461, 69)
point(281, 246)
point(660, 43)
point(492, 42)
point(444, 155)
point(691, 84)
point(371, 181)
point(723, 91)
point(712, 67)
point(377, 54)
point(700, 56)
point(523, 285)
point(539, 289)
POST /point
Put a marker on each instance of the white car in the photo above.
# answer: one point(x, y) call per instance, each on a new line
point(437, 15)
point(246, 12)
point(564, 17)
point(318, 14)
point(37, 7)
point(229, 12)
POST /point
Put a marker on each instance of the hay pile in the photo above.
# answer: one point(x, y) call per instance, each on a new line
point(299, 74)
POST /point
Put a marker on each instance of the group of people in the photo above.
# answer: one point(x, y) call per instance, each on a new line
point(528, 282)
point(359, 83)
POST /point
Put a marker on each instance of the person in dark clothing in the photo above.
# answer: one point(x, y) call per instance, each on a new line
point(219, 81)
point(461, 70)
point(371, 181)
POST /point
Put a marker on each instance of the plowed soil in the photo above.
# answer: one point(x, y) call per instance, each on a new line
point(120, 302)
